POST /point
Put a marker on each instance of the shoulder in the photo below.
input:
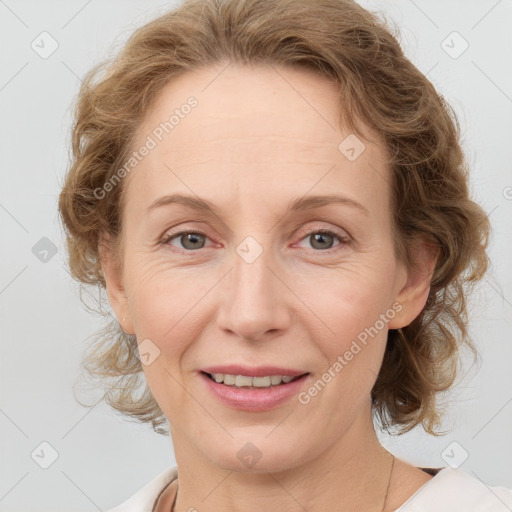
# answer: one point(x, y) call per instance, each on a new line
point(453, 490)
point(144, 499)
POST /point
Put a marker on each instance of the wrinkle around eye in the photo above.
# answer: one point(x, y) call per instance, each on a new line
point(289, 231)
point(341, 242)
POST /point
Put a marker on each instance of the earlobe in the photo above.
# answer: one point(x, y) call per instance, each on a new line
point(413, 295)
point(113, 281)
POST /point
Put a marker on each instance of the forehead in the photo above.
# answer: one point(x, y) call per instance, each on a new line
point(253, 127)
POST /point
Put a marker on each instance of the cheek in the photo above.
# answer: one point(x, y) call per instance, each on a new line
point(350, 298)
point(165, 302)
point(352, 305)
point(167, 310)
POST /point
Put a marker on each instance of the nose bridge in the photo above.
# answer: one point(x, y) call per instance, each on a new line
point(255, 300)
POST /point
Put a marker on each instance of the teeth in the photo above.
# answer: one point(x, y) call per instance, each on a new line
point(246, 381)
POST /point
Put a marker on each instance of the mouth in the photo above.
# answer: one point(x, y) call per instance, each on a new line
point(254, 394)
point(249, 382)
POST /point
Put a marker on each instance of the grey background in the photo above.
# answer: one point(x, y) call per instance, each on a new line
point(102, 458)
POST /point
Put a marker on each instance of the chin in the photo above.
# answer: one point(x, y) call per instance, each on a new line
point(256, 456)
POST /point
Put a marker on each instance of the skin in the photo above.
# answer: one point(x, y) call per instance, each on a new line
point(258, 138)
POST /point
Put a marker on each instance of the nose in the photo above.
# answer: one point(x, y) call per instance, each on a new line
point(255, 297)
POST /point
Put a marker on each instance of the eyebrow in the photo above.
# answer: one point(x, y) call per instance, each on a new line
point(298, 204)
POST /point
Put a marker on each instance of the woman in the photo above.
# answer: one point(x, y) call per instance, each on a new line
point(276, 202)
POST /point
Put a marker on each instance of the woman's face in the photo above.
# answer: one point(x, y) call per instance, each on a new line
point(258, 285)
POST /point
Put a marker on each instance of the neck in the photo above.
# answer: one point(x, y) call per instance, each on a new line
point(353, 472)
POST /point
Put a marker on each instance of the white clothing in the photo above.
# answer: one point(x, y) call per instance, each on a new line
point(450, 490)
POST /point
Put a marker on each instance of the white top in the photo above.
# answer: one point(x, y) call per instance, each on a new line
point(450, 490)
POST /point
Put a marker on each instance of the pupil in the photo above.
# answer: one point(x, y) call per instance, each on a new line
point(319, 237)
point(190, 238)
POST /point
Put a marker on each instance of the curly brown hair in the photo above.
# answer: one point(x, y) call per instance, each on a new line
point(379, 86)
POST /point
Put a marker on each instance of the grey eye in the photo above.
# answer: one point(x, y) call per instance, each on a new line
point(189, 240)
point(321, 241)
point(192, 240)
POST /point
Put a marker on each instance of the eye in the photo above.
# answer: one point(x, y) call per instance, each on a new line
point(323, 239)
point(189, 240)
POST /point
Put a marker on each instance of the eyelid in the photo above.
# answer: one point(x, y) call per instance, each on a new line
point(190, 226)
point(170, 235)
point(340, 233)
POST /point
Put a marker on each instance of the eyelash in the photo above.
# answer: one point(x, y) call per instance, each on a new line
point(344, 240)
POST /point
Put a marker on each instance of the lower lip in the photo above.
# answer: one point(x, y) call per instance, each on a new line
point(262, 399)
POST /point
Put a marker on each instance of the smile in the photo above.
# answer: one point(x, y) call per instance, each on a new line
point(254, 394)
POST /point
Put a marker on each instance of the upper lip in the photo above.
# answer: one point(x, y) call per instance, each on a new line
point(259, 371)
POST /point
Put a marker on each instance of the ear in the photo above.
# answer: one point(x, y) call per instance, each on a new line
point(416, 279)
point(114, 283)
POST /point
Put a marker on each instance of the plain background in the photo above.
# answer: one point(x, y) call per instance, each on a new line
point(103, 458)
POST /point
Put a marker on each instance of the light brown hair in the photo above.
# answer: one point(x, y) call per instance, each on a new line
point(379, 86)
